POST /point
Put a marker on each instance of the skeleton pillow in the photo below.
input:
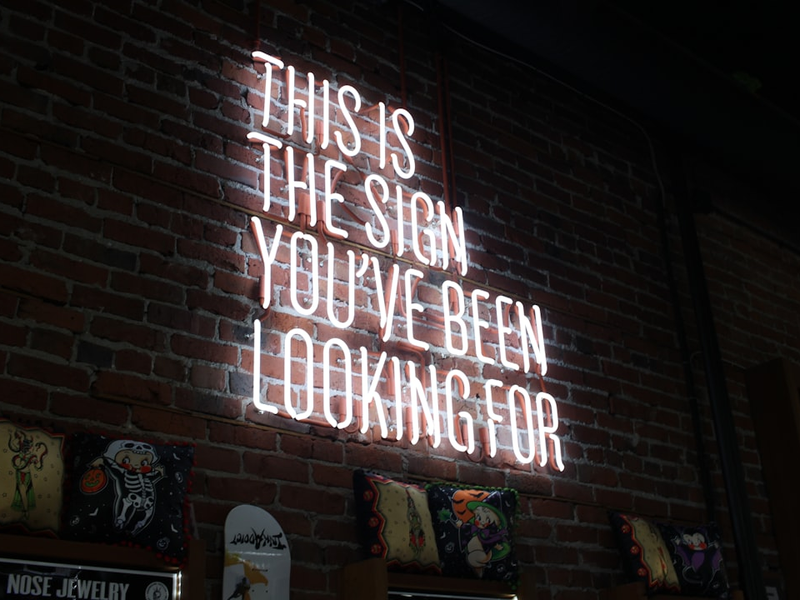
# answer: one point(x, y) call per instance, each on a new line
point(126, 491)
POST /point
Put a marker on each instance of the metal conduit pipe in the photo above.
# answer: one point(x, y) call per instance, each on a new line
point(747, 553)
point(688, 374)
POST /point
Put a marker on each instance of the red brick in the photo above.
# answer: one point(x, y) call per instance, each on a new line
point(56, 86)
point(374, 458)
point(181, 319)
point(168, 368)
point(226, 306)
point(116, 304)
point(195, 348)
point(158, 144)
point(579, 534)
point(322, 501)
point(13, 335)
point(98, 79)
point(332, 476)
point(247, 436)
point(46, 313)
point(235, 284)
point(76, 190)
point(133, 361)
point(18, 145)
point(242, 490)
point(57, 344)
point(208, 377)
point(278, 468)
point(36, 178)
point(168, 422)
point(117, 385)
point(49, 373)
point(134, 235)
point(116, 107)
point(187, 179)
point(135, 333)
point(214, 458)
point(218, 257)
point(30, 396)
point(116, 21)
point(59, 264)
point(89, 409)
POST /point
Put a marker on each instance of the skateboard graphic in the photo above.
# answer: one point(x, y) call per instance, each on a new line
point(257, 559)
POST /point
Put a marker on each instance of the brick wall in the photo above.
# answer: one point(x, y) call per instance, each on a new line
point(130, 274)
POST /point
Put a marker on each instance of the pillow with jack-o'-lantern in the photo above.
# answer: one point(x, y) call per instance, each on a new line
point(394, 523)
point(126, 491)
point(31, 478)
point(475, 531)
point(644, 554)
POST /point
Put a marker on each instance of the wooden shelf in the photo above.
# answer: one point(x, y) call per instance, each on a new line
point(83, 553)
point(370, 580)
point(637, 591)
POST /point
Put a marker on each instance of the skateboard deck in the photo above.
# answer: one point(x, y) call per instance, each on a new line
point(257, 558)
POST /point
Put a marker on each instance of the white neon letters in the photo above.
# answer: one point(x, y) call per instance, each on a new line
point(401, 397)
point(330, 377)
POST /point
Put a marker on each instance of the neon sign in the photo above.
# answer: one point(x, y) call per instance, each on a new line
point(393, 291)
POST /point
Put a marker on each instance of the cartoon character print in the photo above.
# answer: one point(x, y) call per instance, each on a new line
point(483, 531)
point(27, 456)
point(416, 533)
point(697, 563)
point(134, 470)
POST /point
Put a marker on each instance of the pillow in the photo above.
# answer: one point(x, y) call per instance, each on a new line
point(31, 478)
point(645, 556)
point(474, 531)
point(394, 523)
point(696, 554)
point(131, 492)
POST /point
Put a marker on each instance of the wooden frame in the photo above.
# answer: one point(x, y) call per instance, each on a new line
point(370, 580)
point(774, 392)
point(84, 553)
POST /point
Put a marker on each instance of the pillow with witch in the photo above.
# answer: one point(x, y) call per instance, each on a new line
point(31, 476)
point(126, 491)
point(394, 522)
point(474, 531)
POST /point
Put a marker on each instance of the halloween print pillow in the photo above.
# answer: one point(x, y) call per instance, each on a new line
point(644, 554)
point(126, 491)
point(31, 478)
point(474, 531)
point(696, 555)
point(394, 522)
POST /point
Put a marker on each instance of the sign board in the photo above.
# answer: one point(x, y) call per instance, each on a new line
point(27, 579)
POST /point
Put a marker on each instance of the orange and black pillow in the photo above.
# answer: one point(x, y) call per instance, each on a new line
point(475, 531)
point(130, 492)
point(645, 555)
point(394, 523)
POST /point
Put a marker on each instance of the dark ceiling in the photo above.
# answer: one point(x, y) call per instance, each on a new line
point(755, 42)
point(718, 74)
